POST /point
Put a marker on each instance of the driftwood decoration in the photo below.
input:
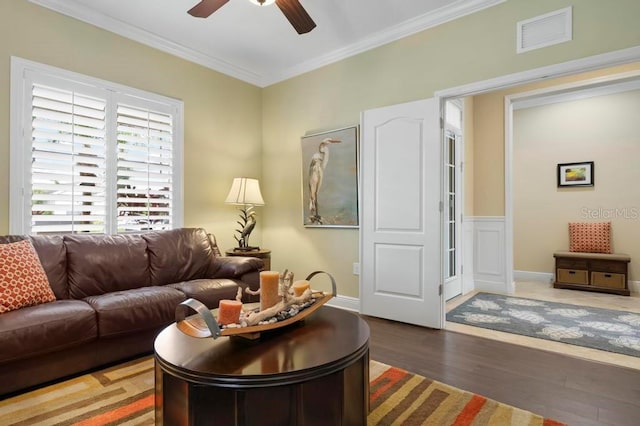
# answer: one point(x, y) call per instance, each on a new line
point(287, 300)
point(253, 322)
point(253, 318)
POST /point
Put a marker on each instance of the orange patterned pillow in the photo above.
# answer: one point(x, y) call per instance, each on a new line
point(23, 281)
point(590, 237)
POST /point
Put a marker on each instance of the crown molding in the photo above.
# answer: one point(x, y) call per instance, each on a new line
point(116, 26)
point(420, 23)
point(445, 14)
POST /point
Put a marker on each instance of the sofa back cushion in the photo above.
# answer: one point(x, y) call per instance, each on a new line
point(178, 255)
point(98, 264)
point(53, 256)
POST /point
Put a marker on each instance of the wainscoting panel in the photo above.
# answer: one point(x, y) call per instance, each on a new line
point(489, 270)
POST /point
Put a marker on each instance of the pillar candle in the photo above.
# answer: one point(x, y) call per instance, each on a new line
point(269, 284)
point(300, 286)
point(229, 312)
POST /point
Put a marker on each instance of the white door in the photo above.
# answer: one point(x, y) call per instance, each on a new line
point(400, 228)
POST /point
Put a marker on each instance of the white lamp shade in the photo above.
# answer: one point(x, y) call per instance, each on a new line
point(245, 191)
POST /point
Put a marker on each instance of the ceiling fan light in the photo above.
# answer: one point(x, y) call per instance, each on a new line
point(262, 2)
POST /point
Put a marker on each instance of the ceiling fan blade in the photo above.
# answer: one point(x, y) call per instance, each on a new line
point(206, 8)
point(297, 16)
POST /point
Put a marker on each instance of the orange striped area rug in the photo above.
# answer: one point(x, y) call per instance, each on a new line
point(120, 395)
point(402, 398)
point(123, 395)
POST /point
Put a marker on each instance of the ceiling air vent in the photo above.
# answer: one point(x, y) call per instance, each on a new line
point(544, 30)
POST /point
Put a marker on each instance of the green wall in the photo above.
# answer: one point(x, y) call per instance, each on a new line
point(468, 50)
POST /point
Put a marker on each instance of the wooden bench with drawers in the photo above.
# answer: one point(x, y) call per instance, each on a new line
point(607, 273)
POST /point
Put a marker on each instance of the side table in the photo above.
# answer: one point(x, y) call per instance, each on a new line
point(263, 254)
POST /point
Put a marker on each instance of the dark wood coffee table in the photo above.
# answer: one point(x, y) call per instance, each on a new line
point(314, 372)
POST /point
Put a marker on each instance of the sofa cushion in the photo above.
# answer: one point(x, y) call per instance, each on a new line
point(178, 255)
point(35, 330)
point(23, 281)
point(99, 264)
point(53, 256)
point(590, 237)
point(126, 312)
point(209, 292)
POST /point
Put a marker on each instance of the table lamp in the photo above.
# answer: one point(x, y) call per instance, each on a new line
point(245, 192)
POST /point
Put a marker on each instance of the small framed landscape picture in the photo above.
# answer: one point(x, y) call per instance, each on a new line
point(576, 174)
point(330, 179)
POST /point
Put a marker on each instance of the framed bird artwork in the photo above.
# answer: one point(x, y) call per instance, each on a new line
point(330, 178)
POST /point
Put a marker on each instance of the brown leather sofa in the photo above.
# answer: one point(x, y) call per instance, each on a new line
point(114, 294)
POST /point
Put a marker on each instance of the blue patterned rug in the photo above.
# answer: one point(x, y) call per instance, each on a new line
point(605, 329)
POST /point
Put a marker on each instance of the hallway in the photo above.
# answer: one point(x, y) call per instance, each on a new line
point(544, 291)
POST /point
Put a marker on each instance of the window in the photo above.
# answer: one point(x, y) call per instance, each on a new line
point(452, 138)
point(91, 156)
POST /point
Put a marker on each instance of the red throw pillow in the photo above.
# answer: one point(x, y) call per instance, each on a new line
point(590, 237)
point(23, 281)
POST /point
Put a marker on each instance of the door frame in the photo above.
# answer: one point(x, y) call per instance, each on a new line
point(591, 63)
point(459, 198)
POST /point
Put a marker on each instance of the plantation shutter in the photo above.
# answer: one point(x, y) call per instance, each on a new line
point(144, 169)
point(68, 161)
point(91, 156)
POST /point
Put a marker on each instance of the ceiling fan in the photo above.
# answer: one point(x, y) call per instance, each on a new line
point(292, 10)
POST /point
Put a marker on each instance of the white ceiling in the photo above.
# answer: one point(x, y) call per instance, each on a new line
point(256, 43)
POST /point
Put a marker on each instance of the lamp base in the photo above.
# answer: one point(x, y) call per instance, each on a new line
point(243, 249)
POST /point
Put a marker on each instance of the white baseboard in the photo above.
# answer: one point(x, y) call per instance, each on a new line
point(532, 276)
point(345, 302)
point(491, 286)
point(634, 286)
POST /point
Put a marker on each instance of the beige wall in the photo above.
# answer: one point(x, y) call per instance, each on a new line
point(467, 50)
point(222, 115)
point(603, 129)
point(488, 124)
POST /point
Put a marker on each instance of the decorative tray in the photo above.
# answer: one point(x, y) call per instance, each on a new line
point(204, 323)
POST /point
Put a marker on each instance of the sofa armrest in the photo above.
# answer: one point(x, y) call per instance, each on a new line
point(252, 280)
point(235, 267)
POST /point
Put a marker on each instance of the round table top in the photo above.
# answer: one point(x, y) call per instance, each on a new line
point(250, 253)
point(324, 342)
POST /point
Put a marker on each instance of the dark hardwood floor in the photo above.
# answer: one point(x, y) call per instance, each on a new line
point(565, 388)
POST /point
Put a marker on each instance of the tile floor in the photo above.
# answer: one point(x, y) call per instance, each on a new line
point(545, 291)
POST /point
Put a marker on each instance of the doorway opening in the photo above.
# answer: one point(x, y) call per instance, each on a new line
point(552, 94)
point(503, 238)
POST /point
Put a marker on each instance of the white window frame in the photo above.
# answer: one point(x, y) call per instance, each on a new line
point(22, 73)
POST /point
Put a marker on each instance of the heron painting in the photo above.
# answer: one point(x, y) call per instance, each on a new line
point(330, 178)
